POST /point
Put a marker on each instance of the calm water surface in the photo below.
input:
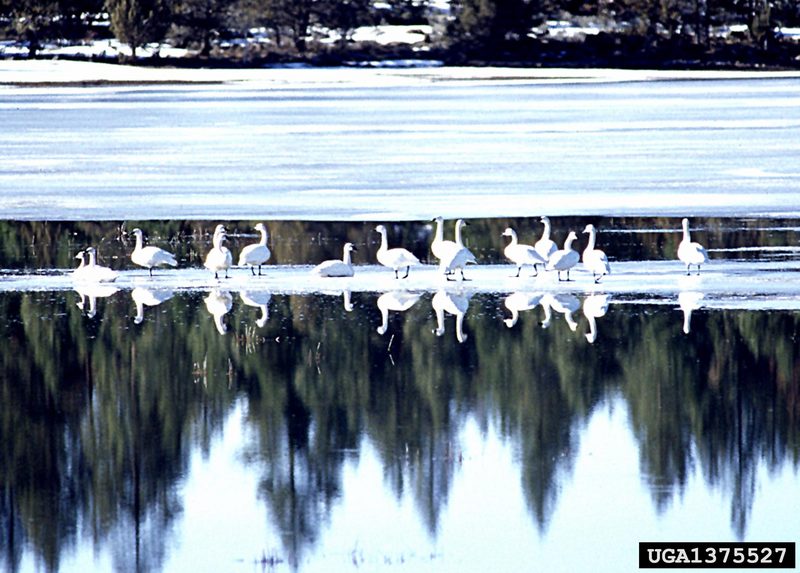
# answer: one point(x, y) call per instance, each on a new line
point(311, 433)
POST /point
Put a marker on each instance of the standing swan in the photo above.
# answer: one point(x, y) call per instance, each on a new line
point(219, 258)
point(396, 258)
point(522, 254)
point(150, 257)
point(335, 267)
point(545, 246)
point(689, 252)
point(439, 247)
point(595, 260)
point(456, 256)
point(256, 254)
point(564, 259)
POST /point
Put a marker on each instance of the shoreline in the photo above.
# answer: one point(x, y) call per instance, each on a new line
point(44, 74)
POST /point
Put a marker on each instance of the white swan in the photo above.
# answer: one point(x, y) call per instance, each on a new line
point(219, 303)
point(564, 304)
point(594, 306)
point(522, 255)
point(95, 272)
point(78, 272)
point(456, 256)
point(260, 300)
point(518, 302)
point(564, 259)
point(219, 258)
point(595, 260)
point(256, 254)
point(335, 267)
point(439, 246)
point(397, 301)
point(150, 257)
point(148, 297)
point(395, 258)
point(545, 246)
point(456, 304)
point(689, 301)
point(689, 252)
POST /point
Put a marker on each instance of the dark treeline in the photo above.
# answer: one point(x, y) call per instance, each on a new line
point(678, 33)
point(41, 245)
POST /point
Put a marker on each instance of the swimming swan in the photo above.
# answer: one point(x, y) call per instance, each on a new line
point(219, 258)
point(545, 246)
point(150, 257)
point(256, 254)
point(396, 258)
point(522, 255)
point(456, 256)
point(335, 267)
point(689, 252)
point(595, 260)
point(564, 259)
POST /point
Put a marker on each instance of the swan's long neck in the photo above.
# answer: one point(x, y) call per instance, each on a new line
point(384, 241)
point(459, 224)
point(263, 241)
point(513, 237)
point(139, 241)
point(346, 257)
point(568, 242)
point(217, 240)
point(92, 259)
point(686, 235)
point(439, 237)
point(83, 261)
point(592, 238)
point(546, 232)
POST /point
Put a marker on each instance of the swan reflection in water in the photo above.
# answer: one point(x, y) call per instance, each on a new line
point(518, 302)
point(398, 301)
point(594, 306)
point(219, 303)
point(564, 304)
point(148, 297)
point(451, 303)
point(687, 302)
point(90, 293)
point(260, 300)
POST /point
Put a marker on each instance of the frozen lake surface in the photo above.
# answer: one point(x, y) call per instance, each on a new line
point(402, 145)
point(286, 422)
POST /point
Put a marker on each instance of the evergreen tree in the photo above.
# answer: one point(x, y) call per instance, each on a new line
point(138, 22)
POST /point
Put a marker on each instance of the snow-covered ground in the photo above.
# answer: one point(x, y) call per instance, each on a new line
point(23, 72)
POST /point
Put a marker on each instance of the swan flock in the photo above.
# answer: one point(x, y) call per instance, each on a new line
point(453, 255)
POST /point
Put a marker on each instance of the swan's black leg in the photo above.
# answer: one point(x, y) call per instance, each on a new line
point(408, 269)
point(519, 269)
point(151, 271)
point(215, 275)
point(535, 270)
point(259, 270)
point(252, 270)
